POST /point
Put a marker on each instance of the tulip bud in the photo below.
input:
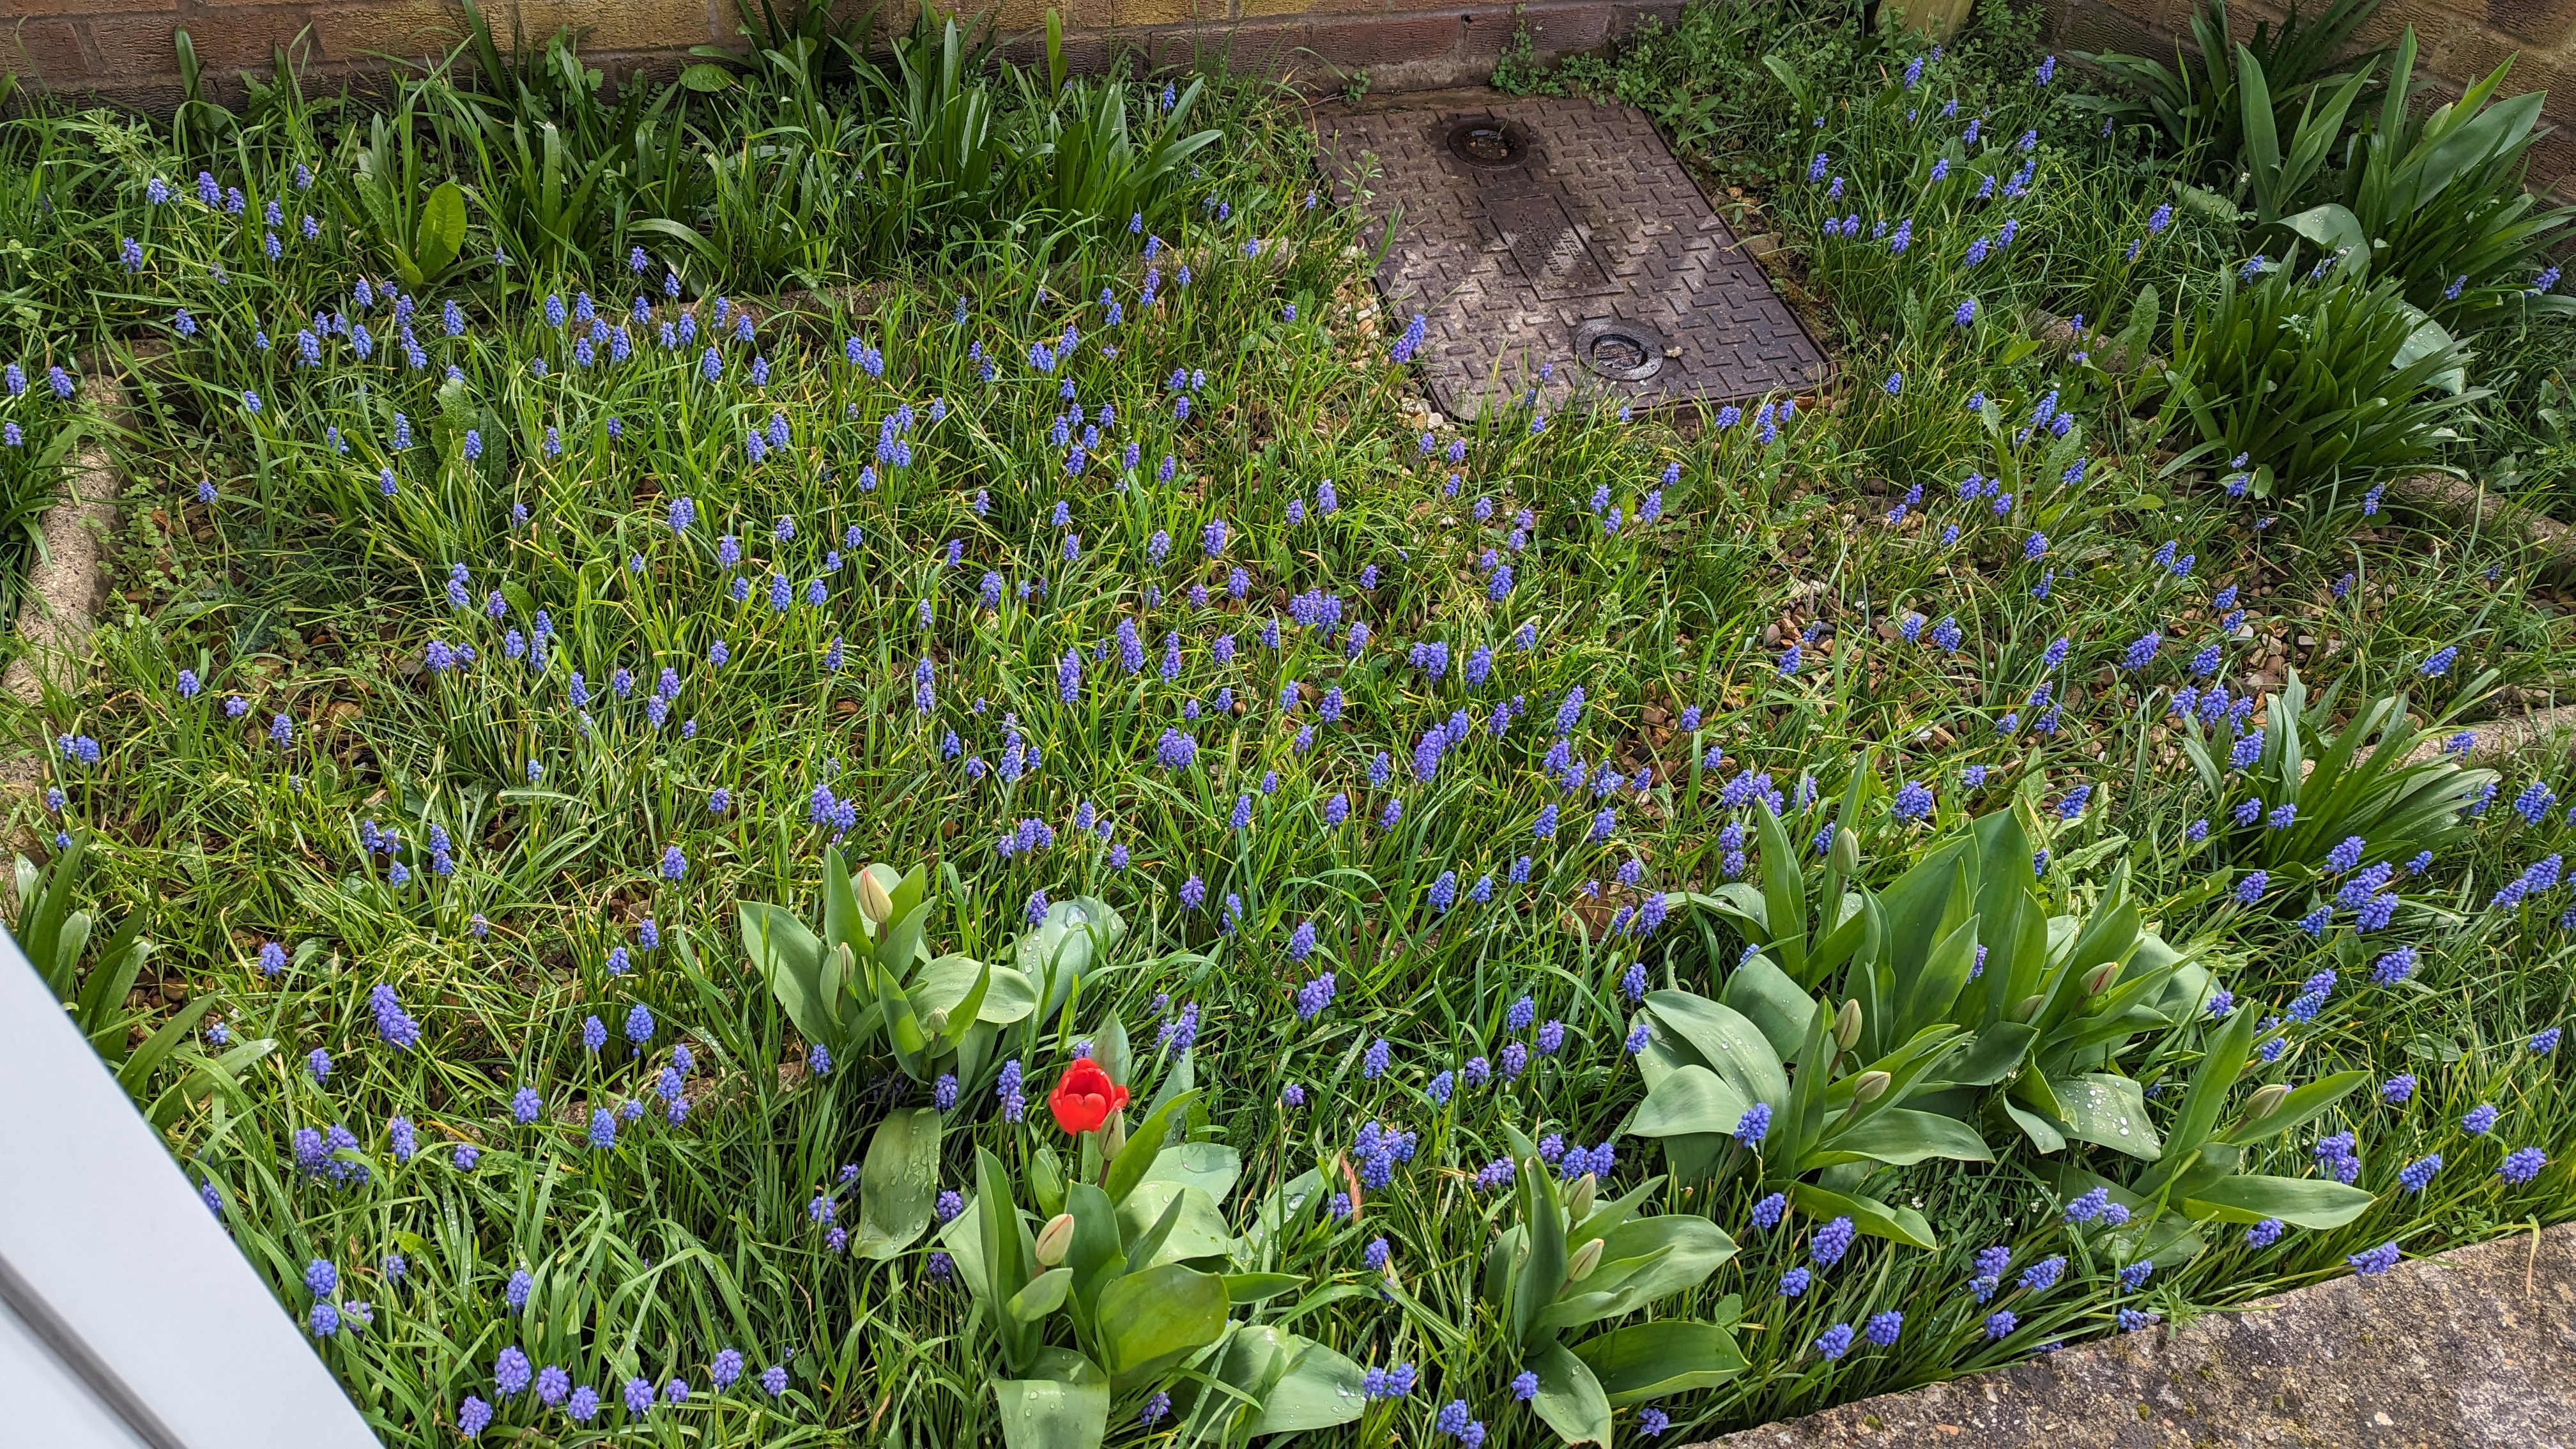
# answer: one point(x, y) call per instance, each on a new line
point(1845, 852)
point(874, 902)
point(2029, 1008)
point(1585, 1259)
point(1847, 1023)
point(1046, 1179)
point(936, 1023)
point(1113, 1135)
point(2265, 1101)
point(2099, 979)
point(1578, 1204)
point(1054, 1239)
point(1871, 1086)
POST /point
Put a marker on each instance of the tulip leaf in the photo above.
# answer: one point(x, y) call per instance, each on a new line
point(1155, 1318)
point(1144, 1145)
point(898, 1184)
point(1044, 1295)
point(1692, 1099)
point(1652, 1360)
point(1066, 1409)
point(2302, 1202)
point(1570, 1399)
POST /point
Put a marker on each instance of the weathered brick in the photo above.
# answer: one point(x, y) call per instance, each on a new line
point(627, 25)
point(1383, 40)
point(1274, 9)
point(2155, 13)
point(2473, 53)
point(2553, 162)
point(1558, 29)
point(2101, 28)
point(44, 50)
point(2428, 17)
point(388, 27)
point(136, 46)
point(1486, 32)
point(19, 8)
point(1139, 14)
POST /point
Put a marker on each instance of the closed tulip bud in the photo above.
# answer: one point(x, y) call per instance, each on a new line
point(1585, 1259)
point(936, 1023)
point(1055, 1239)
point(1847, 1023)
point(1113, 1135)
point(1578, 1205)
point(1846, 852)
point(2265, 1101)
point(874, 901)
point(2099, 979)
point(1871, 1086)
point(1046, 1178)
point(2028, 1008)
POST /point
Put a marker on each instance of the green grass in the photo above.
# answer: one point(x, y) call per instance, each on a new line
point(314, 597)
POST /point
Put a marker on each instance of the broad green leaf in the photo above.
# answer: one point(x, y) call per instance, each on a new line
point(1098, 1250)
point(1653, 1360)
point(1732, 1047)
point(2302, 1202)
point(706, 78)
point(1060, 948)
point(1211, 1167)
point(1784, 893)
point(1901, 1137)
point(1570, 1399)
point(1068, 1409)
point(1992, 1054)
point(1144, 1148)
point(1764, 995)
point(1318, 1388)
point(790, 959)
point(901, 944)
point(1199, 1231)
point(1043, 1295)
point(1157, 1317)
point(2333, 228)
point(442, 230)
point(946, 986)
point(1643, 1260)
point(1897, 1224)
point(1692, 1099)
point(898, 1184)
point(2305, 1103)
point(1010, 998)
point(2041, 1129)
point(1248, 1288)
point(1541, 1271)
point(2109, 1111)
point(843, 922)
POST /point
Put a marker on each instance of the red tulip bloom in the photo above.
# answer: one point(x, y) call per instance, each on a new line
point(1084, 1097)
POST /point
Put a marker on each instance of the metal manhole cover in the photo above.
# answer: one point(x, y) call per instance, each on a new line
point(1553, 242)
point(1488, 144)
point(1619, 350)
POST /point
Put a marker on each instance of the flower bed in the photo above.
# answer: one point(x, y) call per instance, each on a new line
point(1575, 929)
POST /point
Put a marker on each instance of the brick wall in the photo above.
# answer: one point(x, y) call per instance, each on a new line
point(2458, 42)
point(122, 48)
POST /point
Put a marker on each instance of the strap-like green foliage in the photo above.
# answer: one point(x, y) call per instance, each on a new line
point(1967, 1012)
point(1568, 1261)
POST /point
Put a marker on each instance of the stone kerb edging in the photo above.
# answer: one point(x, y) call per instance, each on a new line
point(59, 606)
point(2473, 1347)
